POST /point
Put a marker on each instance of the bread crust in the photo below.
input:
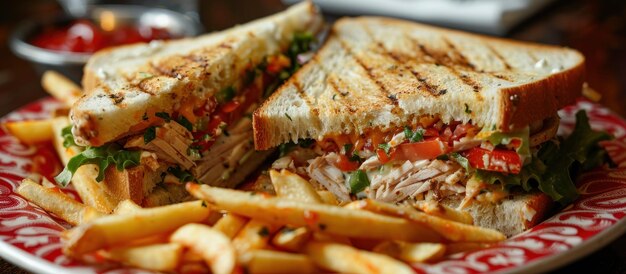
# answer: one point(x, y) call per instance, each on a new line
point(529, 93)
point(530, 102)
point(512, 215)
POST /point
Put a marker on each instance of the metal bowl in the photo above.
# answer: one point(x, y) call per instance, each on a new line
point(70, 63)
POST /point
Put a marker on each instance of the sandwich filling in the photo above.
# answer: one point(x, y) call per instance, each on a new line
point(433, 161)
point(203, 140)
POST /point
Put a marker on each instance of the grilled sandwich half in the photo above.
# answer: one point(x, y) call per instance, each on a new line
point(408, 113)
point(156, 115)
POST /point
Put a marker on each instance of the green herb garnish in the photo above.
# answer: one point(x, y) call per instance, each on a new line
point(358, 181)
point(467, 109)
point(194, 152)
point(180, 174)
point(414, 136)
point(385, 146)
point(225, 95)
point(163, 115)
point(185, 123)
point(68, 138)
point(461, 160)
point(149, 135)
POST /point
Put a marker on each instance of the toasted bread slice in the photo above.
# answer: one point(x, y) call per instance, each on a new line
point(379, 73)
point(124, 84)
point(510, 216)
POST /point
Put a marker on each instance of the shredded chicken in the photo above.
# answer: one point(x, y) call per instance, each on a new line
point(285, 162)
point(224, 157)
point(466, 143)
point(322, 170)
point(371, 163)
point(394, 185)
point(413, 178)
point(170, 144)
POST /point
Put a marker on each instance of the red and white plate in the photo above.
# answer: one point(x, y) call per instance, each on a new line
point(30, 237)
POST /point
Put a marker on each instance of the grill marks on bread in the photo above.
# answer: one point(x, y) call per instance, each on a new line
point(499, 56)
point(417, 65)
point(383, 73)
point(190, 67)
point(373, 73)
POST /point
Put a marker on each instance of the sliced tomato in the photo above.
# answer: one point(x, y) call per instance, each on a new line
point(500, 160)
point(383, 157)
point(462, 130)
point(431, 132)
point(230, 106)
point(345, 164)
point(424, 150)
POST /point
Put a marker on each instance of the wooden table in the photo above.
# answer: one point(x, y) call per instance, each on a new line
point(596, 28)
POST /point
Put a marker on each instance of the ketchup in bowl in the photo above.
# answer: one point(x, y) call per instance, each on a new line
point(86, 37)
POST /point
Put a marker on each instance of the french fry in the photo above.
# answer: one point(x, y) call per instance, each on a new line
point(346, 259)
point(45, 182)
point(126, 207)
point(230, 224)
point(56, 202)
point(192, 256)
point(214, 246)
point(60, 87)
point(291, 186)
point(453, 248)
point(267, 261)
point(411, 252)
point(443, 211)
point(112, 230)
point(453, 231)
point(325, 237)
point(254, 235)
point(213, 218)
point(31, 131)
point(291, 239)
point(157, 257)
point(193, 267)
point(148, 240)
point(91, 192)
point(591, 93)
point(366, 244)
point(317, 217)
point(328, 197)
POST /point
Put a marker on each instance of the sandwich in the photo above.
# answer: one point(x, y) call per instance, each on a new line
point(156, 115)
point(408, 113)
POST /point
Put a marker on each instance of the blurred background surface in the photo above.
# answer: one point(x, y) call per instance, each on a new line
point(596, 28)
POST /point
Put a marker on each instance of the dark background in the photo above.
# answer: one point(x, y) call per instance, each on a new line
point(596, 28)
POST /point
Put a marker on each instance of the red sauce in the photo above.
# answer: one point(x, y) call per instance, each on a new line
point(84, 36)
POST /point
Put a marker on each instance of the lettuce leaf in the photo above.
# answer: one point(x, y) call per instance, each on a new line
point(68, 138)
point(103, 157)
point(182, 175)
point(557, 162)
point(578, 152)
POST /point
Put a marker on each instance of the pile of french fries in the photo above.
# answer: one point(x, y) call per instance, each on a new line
point(298, 230)
point(234, 231)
